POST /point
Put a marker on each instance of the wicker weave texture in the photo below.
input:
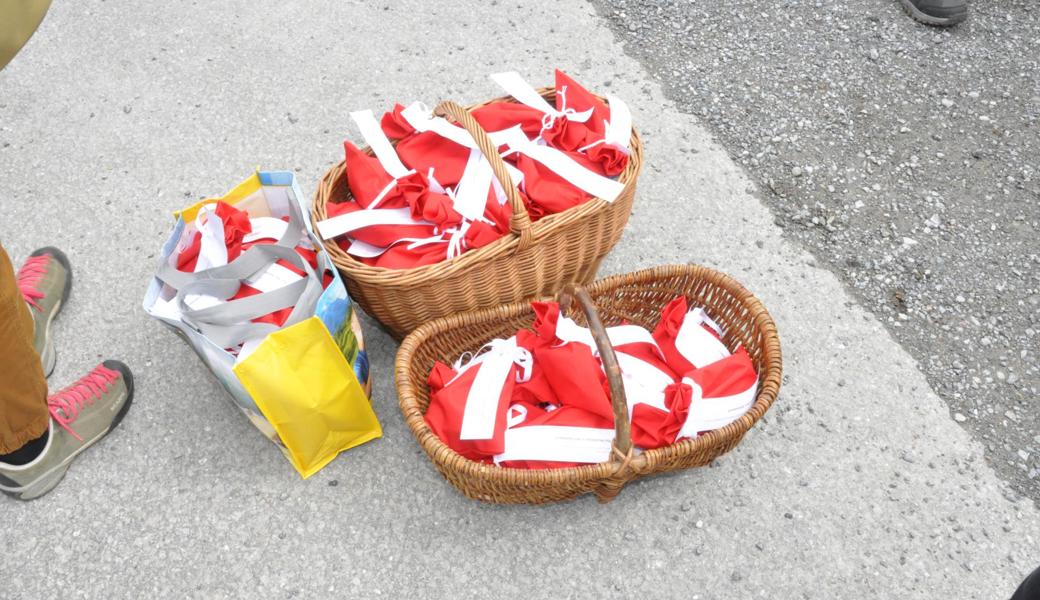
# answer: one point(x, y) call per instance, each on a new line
point(534, 260)
point(635, 297)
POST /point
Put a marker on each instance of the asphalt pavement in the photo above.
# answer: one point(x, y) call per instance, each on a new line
point(904, 157)
point(858, 483)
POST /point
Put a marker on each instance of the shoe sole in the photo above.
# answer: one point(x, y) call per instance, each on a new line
point(50, 481)
point(922, 17)
point(49, 357)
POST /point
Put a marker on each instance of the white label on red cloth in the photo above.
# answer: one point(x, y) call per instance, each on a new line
point(359, 219)
point(481, 412)
point(566, 167)
point(557, 443)
point(378, 142)
point(697, 344)
point(707, 414)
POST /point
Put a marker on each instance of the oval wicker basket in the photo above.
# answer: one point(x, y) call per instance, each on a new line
point(535, 259)
point(634, 297)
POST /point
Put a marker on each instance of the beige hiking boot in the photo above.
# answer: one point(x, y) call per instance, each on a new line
point(81, 414)
point(45, 281)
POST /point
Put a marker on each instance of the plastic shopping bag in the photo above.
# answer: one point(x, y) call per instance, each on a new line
point(302, 381)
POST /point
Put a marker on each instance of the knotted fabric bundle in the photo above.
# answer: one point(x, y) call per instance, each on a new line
point(541, 399)
point(426, 193)
point(222, 234)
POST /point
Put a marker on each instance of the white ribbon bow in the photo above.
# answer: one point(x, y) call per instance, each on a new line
point(496, 359)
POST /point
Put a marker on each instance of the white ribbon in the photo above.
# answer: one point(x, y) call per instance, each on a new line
point(517, 414)
point(421, 118)
point(518, 88)
point(481, 410)
point(454, 237)
point(707, 414)
point(213, 252)
point(566, 167)
point(569, 331)
point(359, 219)
point(212, 249)
point(644, 383)
point(557, 443)
point(378, 142)
point(696, 344)
point(471, 193)
point(265, 228)
point(619, 128)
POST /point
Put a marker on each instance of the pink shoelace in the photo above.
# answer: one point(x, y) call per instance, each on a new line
point(66, 405)
point(29, 277)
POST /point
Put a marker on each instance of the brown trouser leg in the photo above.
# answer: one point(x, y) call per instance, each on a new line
point(23, 388)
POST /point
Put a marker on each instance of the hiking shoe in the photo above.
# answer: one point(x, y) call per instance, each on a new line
point(941, 13)
point(45, 281)
point(81, 414)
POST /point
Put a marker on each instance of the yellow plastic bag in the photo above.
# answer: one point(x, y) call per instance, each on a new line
point(307, 390)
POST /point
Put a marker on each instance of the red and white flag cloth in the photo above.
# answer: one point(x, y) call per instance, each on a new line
point(222, 234)
point(543, 400)
point(468, 403)
point(433, 196)
point(567, 436)
point(689, 338)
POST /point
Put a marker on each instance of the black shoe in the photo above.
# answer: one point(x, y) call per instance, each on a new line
point(941, 13)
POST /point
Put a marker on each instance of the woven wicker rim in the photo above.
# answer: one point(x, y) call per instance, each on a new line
point(769, 386)
point(507, 244)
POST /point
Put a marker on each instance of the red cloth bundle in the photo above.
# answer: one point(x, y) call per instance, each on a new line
point(239, 234)
point(427, 195)
point(544, 400)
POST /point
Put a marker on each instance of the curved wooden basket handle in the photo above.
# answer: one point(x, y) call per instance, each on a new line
point(520, 222)
point(622, 428)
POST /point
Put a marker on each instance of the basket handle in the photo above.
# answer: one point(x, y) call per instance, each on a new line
point(520, 222)
point(622, 428)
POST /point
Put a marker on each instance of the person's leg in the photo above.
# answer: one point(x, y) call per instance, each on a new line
point(23, 394)
point(41, 434)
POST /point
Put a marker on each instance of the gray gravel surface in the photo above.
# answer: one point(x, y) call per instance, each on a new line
point(906, 158)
